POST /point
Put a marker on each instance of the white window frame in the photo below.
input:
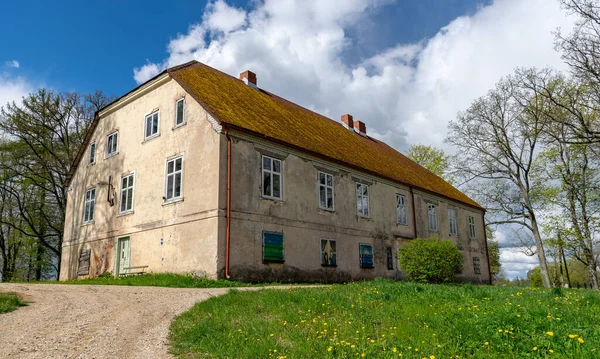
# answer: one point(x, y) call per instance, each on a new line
point(91, 201)
point(401, 203)
point(173, 174)
point(432, 215)
point(92, 154)
point(108, 153)
point(124, 190)
point(151, 115)
point(325, 186)
point(365, 213)
point(472, 230)
point(452, 221)
point(272, 173)
point(182, 100)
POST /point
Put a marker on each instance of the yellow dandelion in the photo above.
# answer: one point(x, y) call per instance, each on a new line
point(486, 343)
point(363, 355)
point(534, 348)
point(394, 350)
point(580, 340)
point(550, 333)
point(432, 357)
point(572, 336)
point(551, 351)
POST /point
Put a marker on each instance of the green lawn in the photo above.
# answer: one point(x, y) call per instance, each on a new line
point(386, 319)
point(9, 302)
point(160, 280)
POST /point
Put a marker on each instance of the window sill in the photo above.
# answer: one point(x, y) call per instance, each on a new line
point(327, 209)
point(329, 265)
point(111, 155)
point(87, 223)
point(363, 217)
point(179, 126)
point(91, 164)
point(402, 224)
point(272, 198)
point(125, 213)
point(147, 139)
point(172, 201)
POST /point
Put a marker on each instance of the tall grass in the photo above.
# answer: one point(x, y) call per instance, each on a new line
point(385, 319)
point(10, 302)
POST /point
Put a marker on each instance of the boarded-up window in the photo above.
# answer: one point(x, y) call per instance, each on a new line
point(273, 247)
point(84, 262)
point(328, 253)
point(476, 265)
point(389, 257)
point(366, 255)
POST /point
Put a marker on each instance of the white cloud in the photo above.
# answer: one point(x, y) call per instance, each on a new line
point(515, 263)
point(221, 17)
point(145, 72)
point(13, 89)
point(13, 63)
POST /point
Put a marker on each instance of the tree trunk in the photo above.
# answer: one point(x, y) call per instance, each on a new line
point(540, 251)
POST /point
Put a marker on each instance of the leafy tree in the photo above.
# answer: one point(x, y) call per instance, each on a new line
point(498, 139)
point(430, 260)
point(435, 160)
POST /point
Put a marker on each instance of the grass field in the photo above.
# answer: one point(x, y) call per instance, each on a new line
point(160, 280)
point(9, 302)
point(386, 319)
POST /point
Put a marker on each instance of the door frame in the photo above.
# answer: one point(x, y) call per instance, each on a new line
point(118, 253)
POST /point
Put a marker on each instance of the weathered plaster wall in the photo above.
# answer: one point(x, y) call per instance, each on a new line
point(298, 216)
point(188, 228)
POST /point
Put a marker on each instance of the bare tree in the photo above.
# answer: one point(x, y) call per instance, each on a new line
point(497, 141)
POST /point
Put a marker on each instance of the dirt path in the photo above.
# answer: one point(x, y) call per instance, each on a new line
point(87, 321)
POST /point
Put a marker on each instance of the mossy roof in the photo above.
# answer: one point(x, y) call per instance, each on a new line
point(235, 104)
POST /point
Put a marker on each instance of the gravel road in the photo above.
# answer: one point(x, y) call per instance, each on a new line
point(89, 321)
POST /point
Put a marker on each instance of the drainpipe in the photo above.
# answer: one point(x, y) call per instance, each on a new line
point(414, 216)
point(228, 230)
point(487, 254)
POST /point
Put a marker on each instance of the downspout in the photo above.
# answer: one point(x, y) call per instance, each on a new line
point(228, 210)
point(414, 214)
point(487, 253)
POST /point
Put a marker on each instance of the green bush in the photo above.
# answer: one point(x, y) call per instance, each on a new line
point(430, 260)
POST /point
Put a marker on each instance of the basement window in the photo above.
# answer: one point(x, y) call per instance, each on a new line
point(431, 211)
point(389, 258)
point(273, 247)
point(328, 253)
point(366, 255)
point(271, 178)
point(173, 182)
point(476, 265)
point(179, 113)
point(151, 126)
point(88, 207)
point(362, 199)
point(452, 220)
point(472, 231)
point(325, 191)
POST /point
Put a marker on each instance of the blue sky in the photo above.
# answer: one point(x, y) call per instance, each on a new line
point(82, 45)
point(405, 68)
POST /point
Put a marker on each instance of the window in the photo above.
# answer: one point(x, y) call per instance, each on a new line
point(362, 199)
point(389, 258)
point(328, 254)
point(273, 247)
point(92, 153)
point(432, 217)
point(112, 144)
point(271, 177)
point(151, 125)
point(476, 265)
point(179, 114)
point(127, 193)
point(325, 191)
point(88, 207)
point(174, 178)
point(452, 220)
point(401, 217)
point(472, 232)
point(366, 255)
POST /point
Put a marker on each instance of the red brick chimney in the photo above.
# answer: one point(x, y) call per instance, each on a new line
point(248, 77)
point(347, 121)
point(360, 127)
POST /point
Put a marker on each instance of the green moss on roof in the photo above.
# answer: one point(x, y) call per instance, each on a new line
point(234, 103)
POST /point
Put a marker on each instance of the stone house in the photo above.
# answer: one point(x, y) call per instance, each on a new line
point(198, 171)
